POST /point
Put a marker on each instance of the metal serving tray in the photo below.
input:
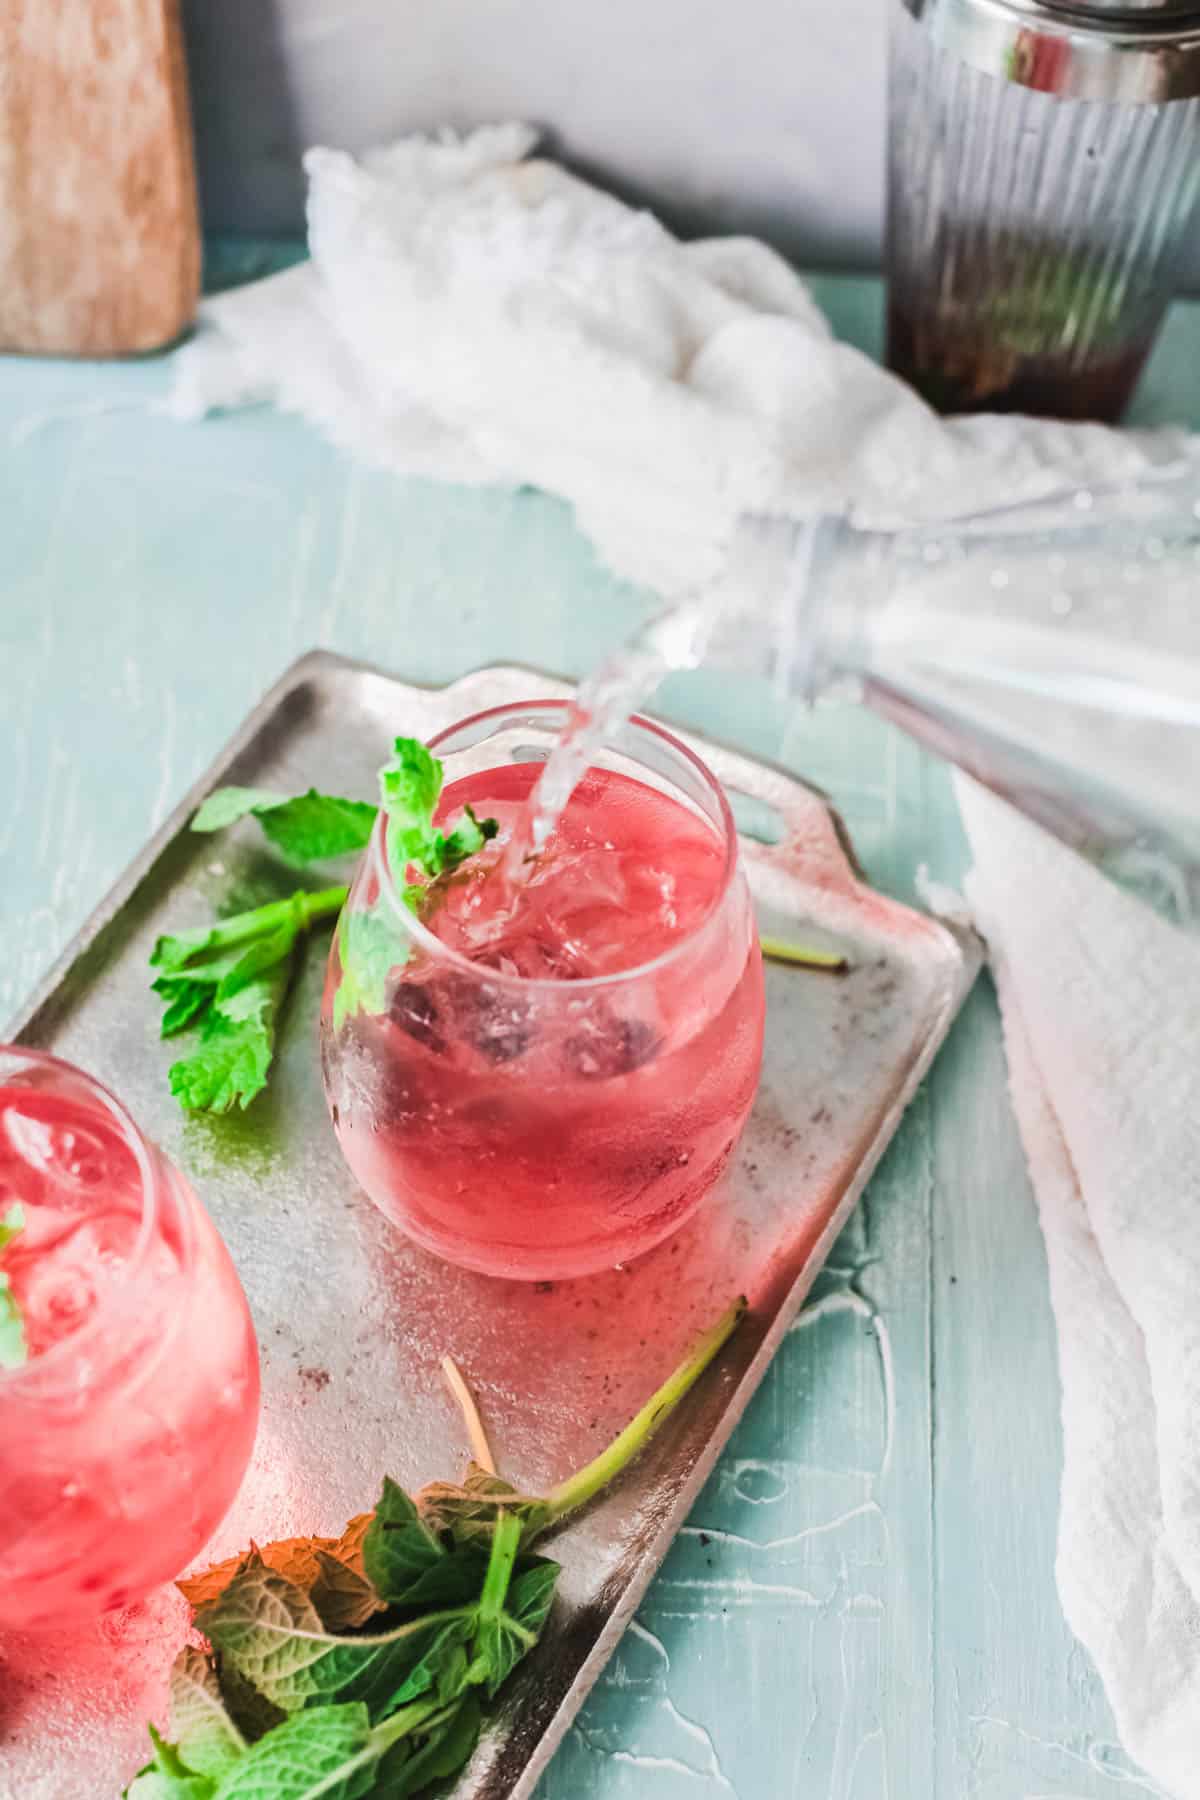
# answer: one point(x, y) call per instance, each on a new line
point(352, 1319)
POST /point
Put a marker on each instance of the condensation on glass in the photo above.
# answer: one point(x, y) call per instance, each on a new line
point(1044, 170)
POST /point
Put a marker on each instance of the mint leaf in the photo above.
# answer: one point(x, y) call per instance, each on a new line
point(191, 990)
point(167, 1777)
point(14, 1351)
point(207, 1739)
point(252, 1714)
point(303, 827)
point(328, 1753)
point(151, 1784)
point(532, 1594)
point(315, 826)
point(500, 1644)
point(186, 999)
point(398, 1547)
point(271, 1633)
point(369, 948)
point(237, 1047)
point(343, 1597)
point(468, 836)
point(404, 1772)
point(216, 976)
point(410, 787)
point(226, 805)
point(468, 1510)
point(230, 979)
point(442, 1669)
point(262, 956)
point(197, 951)
point(332, 1753)
point(453, 1582)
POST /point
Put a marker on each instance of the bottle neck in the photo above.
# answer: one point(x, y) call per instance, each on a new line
point(794, 603)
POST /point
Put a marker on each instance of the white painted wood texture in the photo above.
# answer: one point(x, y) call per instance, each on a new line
point(863, 1607)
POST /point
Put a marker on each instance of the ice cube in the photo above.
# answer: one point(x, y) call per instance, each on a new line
point(75, 1158)
point(60, 1289)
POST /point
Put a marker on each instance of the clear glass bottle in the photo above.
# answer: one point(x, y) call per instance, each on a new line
point(1051, 650)
point(1044, 173)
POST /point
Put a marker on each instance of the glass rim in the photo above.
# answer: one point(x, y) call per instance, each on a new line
point(525, 984)
point(59, 1355)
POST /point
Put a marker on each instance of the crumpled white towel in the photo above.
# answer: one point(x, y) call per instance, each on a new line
point(476, 314)
point(1101, 1004)
point(473, 314)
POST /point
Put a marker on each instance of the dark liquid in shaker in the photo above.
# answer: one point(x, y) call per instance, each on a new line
point(963, 368)
point(1017, 321)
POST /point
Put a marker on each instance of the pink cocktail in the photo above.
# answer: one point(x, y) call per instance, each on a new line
point(554, 1083)
point(125, 1432)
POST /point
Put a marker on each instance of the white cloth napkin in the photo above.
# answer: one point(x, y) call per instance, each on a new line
point(473, 314)
point(1101, 1005)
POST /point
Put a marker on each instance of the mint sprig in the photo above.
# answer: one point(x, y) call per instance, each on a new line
point(228, 981)
point(410, 787)
point(13, 1348)
point(369, 946)
point(288, 1704)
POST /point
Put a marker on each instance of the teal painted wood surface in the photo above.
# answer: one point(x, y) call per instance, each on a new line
point(863, 1606)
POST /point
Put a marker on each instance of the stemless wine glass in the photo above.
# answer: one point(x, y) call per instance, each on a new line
point(127, 1428)
point(561, 1098)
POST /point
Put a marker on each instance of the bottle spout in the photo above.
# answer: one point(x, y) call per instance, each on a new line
point(787, 607)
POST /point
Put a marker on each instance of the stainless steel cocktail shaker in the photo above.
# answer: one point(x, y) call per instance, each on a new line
point(1043, 183)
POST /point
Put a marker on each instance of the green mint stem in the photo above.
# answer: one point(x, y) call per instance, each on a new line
point(322, 905)
point(192, 951)
point(802, 955)
point(506, 1541)
point(421, 1714)
point(579, 1488)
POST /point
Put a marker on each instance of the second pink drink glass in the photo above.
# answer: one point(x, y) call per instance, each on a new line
point(129, 1385)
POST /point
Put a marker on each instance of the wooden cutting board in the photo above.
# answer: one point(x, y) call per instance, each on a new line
point(99, 230)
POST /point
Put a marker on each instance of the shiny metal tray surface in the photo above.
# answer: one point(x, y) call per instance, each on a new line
point(352, 1319)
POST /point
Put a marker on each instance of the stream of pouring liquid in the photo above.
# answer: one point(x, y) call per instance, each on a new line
point(673, 641)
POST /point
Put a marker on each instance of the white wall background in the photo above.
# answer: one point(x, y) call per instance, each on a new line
point(765, 115)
